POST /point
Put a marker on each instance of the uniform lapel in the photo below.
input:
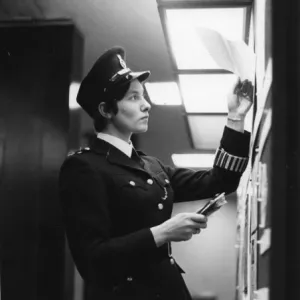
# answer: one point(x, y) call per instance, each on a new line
point(114, 155)
point(119, 158)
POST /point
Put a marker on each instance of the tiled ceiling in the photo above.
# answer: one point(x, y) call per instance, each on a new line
point(136, 25)
point(133, 24)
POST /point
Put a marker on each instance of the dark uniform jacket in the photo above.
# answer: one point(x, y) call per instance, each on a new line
point(110, 202)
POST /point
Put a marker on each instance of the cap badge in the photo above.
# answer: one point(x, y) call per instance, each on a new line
point(122, 62)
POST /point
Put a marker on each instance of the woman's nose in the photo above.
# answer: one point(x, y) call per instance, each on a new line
point(146, 106)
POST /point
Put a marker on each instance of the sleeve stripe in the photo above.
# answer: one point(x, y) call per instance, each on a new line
point(227, 164)
point(231, 165)
point(218, 154)
point(230, 162)
point(245, 162)
point(237, 165)
point(222, 160)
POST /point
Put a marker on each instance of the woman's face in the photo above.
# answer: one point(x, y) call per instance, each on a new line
point(133, 111)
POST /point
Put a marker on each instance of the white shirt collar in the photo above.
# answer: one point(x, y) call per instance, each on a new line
point(123, 146)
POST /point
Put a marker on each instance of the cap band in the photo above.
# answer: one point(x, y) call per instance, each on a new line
point(119, 73)
point(116, 78)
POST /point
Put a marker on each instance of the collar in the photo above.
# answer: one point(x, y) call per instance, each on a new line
point(126, 148)
point(118, 157)
point(113, 154)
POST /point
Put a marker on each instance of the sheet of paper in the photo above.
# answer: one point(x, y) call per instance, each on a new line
point(263, 205)
point(261, 294)
point(260, 41)
point(234, 56)
point(265, 241)
point(253, 265)
point(262, 96)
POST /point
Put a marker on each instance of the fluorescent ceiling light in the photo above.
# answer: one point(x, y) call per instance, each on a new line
point(163, 93)
point(206, 93)
point(206, 130)
point(195, 160)
point(73, 91)
point(187, 47)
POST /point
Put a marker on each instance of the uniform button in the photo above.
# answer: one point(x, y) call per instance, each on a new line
point(160, 206)
point(132, 183)
point(150, 181)
point(167, 181)
point(172, 261)
point(129, 278)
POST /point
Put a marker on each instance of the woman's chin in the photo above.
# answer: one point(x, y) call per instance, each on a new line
point(141, 129)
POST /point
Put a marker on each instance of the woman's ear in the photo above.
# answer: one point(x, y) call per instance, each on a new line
point(103, 111)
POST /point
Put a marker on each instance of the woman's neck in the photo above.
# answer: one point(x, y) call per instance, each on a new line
point(116, 133)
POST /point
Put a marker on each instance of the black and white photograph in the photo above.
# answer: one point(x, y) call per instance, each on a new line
point(149, 150)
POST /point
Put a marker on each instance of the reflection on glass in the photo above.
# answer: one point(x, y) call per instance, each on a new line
point(163, 93)
point(206, 93)
point(188, 50)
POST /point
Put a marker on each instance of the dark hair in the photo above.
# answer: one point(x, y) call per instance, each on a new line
point(100, 122)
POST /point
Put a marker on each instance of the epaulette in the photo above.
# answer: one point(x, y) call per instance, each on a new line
point(79, 151)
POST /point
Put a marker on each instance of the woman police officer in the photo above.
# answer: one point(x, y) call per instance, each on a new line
point(117, 202)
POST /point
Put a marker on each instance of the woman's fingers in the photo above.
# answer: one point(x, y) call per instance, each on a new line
point(199, 218)
point(199, 221)
point(196, 231)
point(197, 225)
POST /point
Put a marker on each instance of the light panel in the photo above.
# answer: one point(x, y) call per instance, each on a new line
point(206, 130)
point(188, 49)
point(195, 160)
point(73, 91)
point(206, 93)
point(163, 93)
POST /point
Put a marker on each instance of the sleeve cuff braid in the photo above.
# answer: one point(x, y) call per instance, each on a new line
point(230, 162)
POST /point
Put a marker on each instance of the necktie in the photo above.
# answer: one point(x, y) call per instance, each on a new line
point(136, 157)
